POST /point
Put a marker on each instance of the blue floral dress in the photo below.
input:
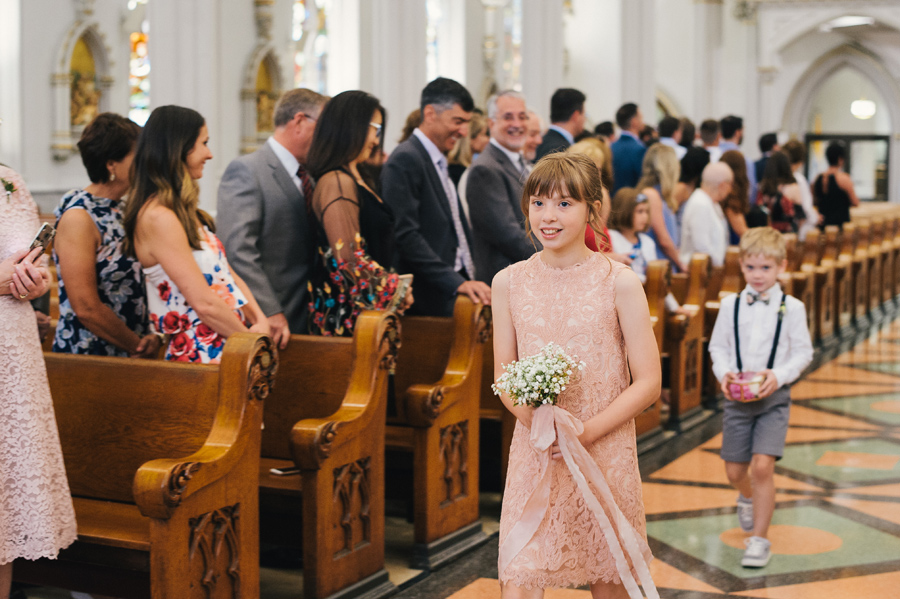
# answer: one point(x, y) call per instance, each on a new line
point(120, 283)
point(190, 339)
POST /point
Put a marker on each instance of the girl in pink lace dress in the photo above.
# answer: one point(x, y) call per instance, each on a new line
point(595, 309)
point(36, 514)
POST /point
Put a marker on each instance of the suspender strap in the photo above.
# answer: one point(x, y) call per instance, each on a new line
point(737, 338)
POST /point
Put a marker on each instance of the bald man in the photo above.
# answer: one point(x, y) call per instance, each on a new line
point(704, 229)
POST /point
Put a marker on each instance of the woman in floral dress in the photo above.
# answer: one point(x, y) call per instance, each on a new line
point(102, 310)
point(193, 295)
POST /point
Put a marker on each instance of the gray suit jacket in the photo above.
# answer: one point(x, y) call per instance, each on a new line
point(494, 195)
point(263, 223)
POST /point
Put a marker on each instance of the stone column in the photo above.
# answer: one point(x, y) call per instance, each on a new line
point(707, 58)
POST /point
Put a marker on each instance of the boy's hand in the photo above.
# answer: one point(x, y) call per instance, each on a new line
point(727, 380)
point(768, 386)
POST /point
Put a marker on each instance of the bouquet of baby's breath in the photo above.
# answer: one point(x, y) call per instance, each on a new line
point(539, 379)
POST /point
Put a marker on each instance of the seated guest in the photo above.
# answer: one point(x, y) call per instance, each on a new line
point(355, 227)
point(193, 295)
point(670, 134)
point(779, 195)
point(433, 235)
point(494, 189)
point(704, 229)
point(533, 137)
point(628, 150)
point(102, 309)
point(566, 121)
point(659, 178)
point(737, 204)
point(796, 153)
point(261, 220)
point(692, 166)
point(833, 189)
point(628, 221)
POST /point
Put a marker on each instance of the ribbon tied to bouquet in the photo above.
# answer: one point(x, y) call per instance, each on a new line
point(549, 423)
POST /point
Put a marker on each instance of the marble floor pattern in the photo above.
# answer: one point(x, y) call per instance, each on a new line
point(836, 528)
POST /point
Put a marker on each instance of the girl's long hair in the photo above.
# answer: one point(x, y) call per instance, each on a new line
point(777, 173)
point(570, 174)
point(661, 167)
point(739, 198)
point(342, 130)
point(160, 172)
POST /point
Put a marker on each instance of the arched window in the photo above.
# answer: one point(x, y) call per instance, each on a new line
point(512, 45)
point(310, 35)
point(139, 65)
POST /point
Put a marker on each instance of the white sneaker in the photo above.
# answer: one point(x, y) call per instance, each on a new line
point(745, 513)
point(757, 553)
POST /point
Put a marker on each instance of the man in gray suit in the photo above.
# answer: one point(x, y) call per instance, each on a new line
point(494, 189)
point(262, 218)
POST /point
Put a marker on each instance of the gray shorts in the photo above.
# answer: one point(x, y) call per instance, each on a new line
point(756, 427)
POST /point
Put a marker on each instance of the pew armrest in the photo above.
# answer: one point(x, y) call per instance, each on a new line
point(246, 373)
point(376, 343)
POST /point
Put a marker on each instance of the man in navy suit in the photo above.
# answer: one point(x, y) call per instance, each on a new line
point(433, 235)
point(566, 121)
point(628, 151)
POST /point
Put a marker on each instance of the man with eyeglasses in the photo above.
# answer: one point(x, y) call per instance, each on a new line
point(262, 218)
point(494, 188)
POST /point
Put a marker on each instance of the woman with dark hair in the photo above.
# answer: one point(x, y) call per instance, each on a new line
point(102, 309)
point(688, 133)
point(692, 166)
point(737, 204)
point(193, 295)
point(779, 194)
point(355, 227)
point(833, 190)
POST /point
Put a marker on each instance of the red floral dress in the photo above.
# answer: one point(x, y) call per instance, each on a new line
point(190, 340)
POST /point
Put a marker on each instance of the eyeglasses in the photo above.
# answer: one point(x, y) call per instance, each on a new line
point(310, 117)
point(377, 129)
point(641, 198)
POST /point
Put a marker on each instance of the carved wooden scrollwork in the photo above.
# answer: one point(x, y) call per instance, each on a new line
point(177, 482)
point(215, 550)
point(262, 370)
point(485, 325)
point(390, 344)
point(352, 492)
point(691, 367)
point(324, 439)
point(432, 406)
point(455, 456)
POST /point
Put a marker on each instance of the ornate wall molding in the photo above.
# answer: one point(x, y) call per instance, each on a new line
point(66, 132)
point(352, 492)
point(454, 451)
point(258, 102)
point(215, 552)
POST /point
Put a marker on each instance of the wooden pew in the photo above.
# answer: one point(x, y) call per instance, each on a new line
point(656, 288)
point(822, 276)
point(888, 244)
point(859, 255)
point(871, 243)
point(731, 281)
point(802, 284)
point(161, 460)
point(842, 305)
point(684, 340)
point(492, 409)
point(438, 380)
point(326, 418)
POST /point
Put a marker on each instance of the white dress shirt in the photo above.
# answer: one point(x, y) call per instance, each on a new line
point(290, 162)
point(704, 229)
point(644, 254)
point(514, 157)
point(680, 150)
point(757, 324)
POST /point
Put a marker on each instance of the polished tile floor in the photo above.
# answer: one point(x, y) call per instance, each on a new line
point(836, 528)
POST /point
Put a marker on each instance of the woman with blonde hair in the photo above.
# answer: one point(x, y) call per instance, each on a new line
point(599, 153)
point(659, 175)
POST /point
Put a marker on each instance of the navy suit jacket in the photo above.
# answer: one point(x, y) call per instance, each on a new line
point(628, 157)
point(553, 142)
point(426, 237)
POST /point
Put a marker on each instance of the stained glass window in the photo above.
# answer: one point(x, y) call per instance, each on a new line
point(139, 69)
point(310, 35)
point(512, 45)
point(437, 15)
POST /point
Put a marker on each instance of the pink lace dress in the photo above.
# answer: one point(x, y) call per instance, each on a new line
point(36, 514)
point(574, 308)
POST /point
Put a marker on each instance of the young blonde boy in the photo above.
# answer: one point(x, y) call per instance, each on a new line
point(771, 340)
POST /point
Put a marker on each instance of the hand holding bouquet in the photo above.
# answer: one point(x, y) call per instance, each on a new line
point(538, 379)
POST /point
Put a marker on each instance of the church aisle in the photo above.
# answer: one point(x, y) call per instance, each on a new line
point(836, 529)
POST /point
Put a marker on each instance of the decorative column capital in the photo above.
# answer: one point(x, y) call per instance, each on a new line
point(84, 9)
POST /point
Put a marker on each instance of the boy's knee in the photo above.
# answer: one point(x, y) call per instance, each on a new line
point(762, 467)
point(736, 471)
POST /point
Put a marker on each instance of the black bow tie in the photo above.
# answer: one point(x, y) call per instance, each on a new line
point(752, 298)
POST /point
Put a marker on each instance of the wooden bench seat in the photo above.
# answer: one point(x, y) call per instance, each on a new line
point(437, 384)
point(151, 526)
point(656, 287)
point(326, 418)
point(859, 273)
point(822, 275)
point(843, 301)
